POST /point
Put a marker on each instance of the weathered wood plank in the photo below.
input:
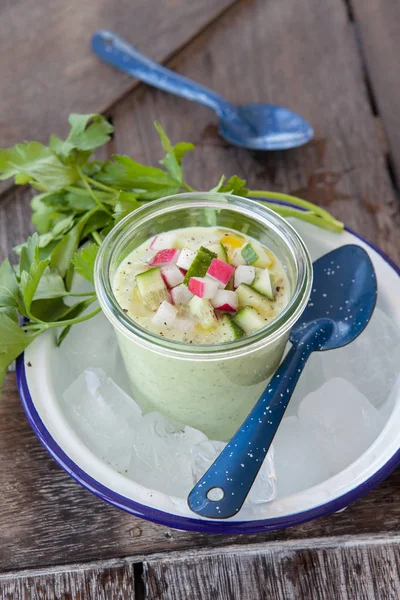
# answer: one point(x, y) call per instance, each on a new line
point(15, 220)
point(113, 580)
point(378, 25)
point(48, 519)
point(48, 71)
point(352, 572)
point(318, 75)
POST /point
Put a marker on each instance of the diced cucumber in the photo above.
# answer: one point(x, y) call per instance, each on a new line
point(151, 287)
point(202, 310)
point(265, 259)
point(249, 254)
point(232, 331)
point(256, 255)
point(262, 283)
point(249, 320)
point(200, 264)
point(248, 296)
point(219, 250)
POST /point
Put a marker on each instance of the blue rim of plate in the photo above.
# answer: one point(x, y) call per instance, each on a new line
point(186, 523)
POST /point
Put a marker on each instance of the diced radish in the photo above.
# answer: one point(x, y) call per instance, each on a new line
point(225, 300)
point(186, 258)
point(183, 271)
point(165, 257)
point(184, 324)
point(181, 294)
point(220, 272)
point(163, 241)
point(244, 274)
point(203, 287)
point(236, 259)
point(165, 314)
point(171, 275)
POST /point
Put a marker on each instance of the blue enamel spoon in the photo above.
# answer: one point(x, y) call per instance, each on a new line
point(340, 306)
point(253, 126)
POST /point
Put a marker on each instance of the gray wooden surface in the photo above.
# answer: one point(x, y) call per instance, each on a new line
point(306, 56)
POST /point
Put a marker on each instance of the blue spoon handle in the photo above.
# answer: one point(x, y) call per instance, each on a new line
point(119, 53)
point(234, 470)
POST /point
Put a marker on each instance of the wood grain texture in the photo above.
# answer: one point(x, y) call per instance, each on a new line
point(48, 519)
point(378, 24)
point(319, 75)
point(47, 69)
point(15, 220)
point(113, 580)
point(353, 572)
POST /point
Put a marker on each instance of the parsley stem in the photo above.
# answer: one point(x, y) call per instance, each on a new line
point(97, 238)
point(308, 216)
point(293, 201)
point(100, 185)
point(84, 180)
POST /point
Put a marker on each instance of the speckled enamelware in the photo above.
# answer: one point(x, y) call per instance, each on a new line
point(42, 384)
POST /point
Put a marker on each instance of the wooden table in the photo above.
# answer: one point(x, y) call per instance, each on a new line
point(336, 63)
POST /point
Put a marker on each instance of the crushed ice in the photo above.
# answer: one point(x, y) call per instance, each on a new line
point(337, 411)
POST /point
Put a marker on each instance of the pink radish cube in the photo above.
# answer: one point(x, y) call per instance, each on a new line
point(244, 274)
point(181, 294)
point(225, 300)
point(164, 257)
point(163, 241)
point(203, 287)
point(186, 258)
point(171, 275)
point(220, 272)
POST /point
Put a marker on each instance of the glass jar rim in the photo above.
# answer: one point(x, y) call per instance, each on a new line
point(241, 205)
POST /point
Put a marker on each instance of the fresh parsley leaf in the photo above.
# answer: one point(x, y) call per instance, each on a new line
point(30, 281)
point(29, 253)
point(51, 285)
point(84, 261)
point(234, 185)
point(13, 341)
point(87, 133)
point(126, 174)
point(10, 293)
point(35, 163)
point(174, 154)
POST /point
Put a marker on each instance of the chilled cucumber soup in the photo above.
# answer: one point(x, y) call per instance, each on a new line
point(187, 324)
point(201, 285)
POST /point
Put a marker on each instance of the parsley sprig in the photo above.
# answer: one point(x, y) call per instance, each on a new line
point(80, 200)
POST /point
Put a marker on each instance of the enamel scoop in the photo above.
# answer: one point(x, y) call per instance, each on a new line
point(253, 126)
point(341, 304)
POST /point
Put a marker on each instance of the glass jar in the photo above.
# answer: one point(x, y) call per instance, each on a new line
point(211, 387)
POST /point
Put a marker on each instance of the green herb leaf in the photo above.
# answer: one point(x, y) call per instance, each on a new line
point(10, 293)
point(51, 285)
point(87, 133)
point(30, 281)
point(13, 341)
point(29, 253)
point(126, 174)
point(36, 164)
point(84, 261)
point(174, 154)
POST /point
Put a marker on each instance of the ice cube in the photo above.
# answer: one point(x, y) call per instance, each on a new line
point(263, 489)
point(92, 344)
point(103, 416)
point(310, 380)
point(341, 420)
point(371, 362)
point(161, 454)
point(298, 461)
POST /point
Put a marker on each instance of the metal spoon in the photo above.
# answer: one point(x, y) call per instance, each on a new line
point(341, 305)
point(254, 126)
